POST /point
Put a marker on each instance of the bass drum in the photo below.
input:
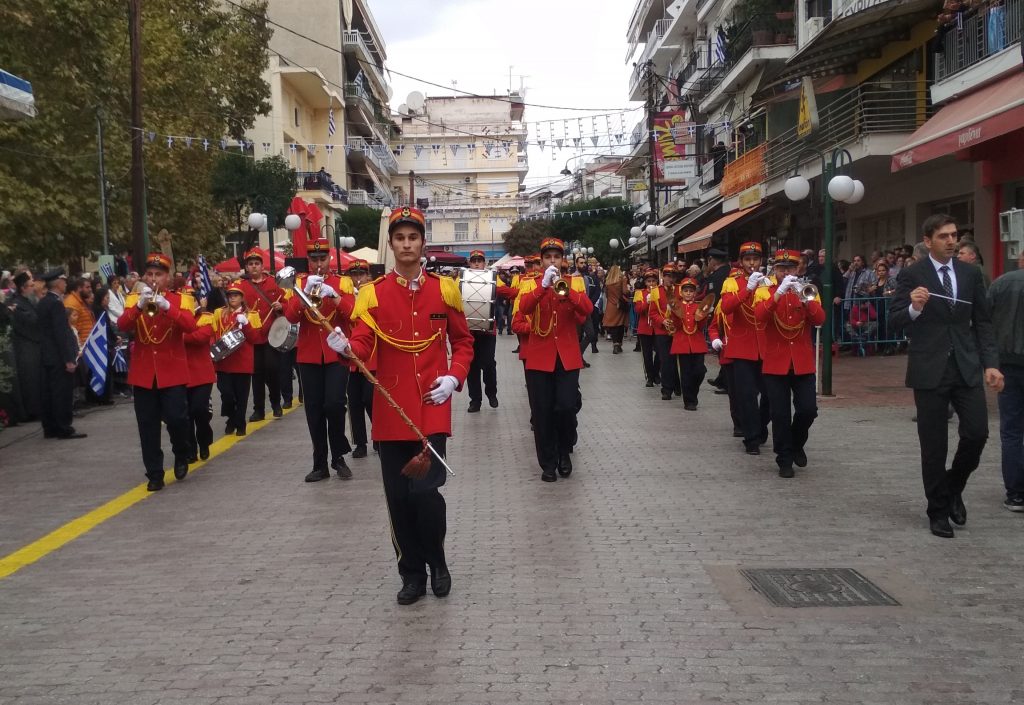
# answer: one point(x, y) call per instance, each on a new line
point(283, 335)
point(479, 295)
point(228, 343)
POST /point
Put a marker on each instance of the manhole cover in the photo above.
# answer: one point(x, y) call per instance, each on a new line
point(817, 587)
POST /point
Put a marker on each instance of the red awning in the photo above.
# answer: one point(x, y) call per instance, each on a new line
point(232, 265)
point(990, 112)
point(702, 238)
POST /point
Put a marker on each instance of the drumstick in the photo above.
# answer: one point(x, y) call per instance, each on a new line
point(418, 466)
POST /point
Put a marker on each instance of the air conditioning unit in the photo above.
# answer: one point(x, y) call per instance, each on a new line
point(812, 26)
point(468, 180)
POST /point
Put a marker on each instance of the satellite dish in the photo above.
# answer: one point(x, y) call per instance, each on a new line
point(403, 109)
point(390, 92)
point(415, 101)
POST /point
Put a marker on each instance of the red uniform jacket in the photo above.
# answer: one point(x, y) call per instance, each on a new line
point(241, 360)
point(689, 335)
point(255, 302)
point(553, 333)
point(745, 336)
point(719, 323)
point(658, 308)
point(643, 309)
point(312, 347)
point(197, 349)
point(521, 323)
point(411, 331)
point(787, 332)
point(158, 352)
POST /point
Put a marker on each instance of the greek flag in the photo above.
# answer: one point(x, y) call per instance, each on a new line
point(107, 270)
point(95, 354)
point(205, 285)
point(719, 47)
point(120, 362)
point(331, 127)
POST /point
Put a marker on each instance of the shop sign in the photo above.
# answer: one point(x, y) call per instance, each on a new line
point(744, 172)
point(752, 196)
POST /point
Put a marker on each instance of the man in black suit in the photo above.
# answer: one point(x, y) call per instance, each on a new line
point(952, 349)
point(58, 345)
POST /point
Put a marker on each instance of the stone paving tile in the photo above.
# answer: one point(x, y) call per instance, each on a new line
point(245, 585)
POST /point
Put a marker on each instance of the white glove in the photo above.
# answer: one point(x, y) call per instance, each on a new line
point(242, 320)
point(337, 342)
point(443, 388)
point(162, 303)
point(754, 281)
point(144, 296)
point(311, 281)
point(787, 284)
point(327, 292)
point(550, 275)
point(647, 298)
point(717, 345)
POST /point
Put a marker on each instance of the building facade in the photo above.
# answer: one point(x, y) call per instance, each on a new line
point(467, 158)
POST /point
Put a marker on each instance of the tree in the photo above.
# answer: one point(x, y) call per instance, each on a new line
point(239, 186)
point(363, 224)
point(525, 236)
point(592, 225)
point(202, 76)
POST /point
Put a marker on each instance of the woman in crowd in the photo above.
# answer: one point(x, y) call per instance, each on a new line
point(616, 307)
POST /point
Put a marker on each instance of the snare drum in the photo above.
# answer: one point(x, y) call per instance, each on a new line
point(479, 294)
point(283, 335)
point(228, 343)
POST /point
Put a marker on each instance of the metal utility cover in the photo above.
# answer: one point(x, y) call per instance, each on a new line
point(817, 587)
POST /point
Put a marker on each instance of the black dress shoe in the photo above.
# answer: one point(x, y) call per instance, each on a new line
point(180, 469)
point(277, 412)
point(286, 404)
point(193, 459)
point(342, 468)
point(256, 416)
point(317, 474)
point(440, 581)
point(800, 458)
point(957, 510)
point(204, 452)
point(786, 470)
point(666, 396)
point(411, 592)
point(690, 406)
point(359, 452)
point(752, 449)
point(240, 432)
point(72, 435)
point(941, 528)
point(474, 406)
point(649, 383)
point(565, 466)
point(493, 401)
point(737, 433)
point(586, 364)
point(229, 428)
point(516, 350)
point(154, 485)
point(549, 476)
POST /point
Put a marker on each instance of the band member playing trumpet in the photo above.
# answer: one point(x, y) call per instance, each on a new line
point(234, 372)
point(644, 327)
point(264, 297)
point(718, 328)
point(410, 319)
point(158, 370)
point(789, 310)
point(745, 347)
point(689, 320)
point(323, 375)
point(201, 377)
point(556, 306)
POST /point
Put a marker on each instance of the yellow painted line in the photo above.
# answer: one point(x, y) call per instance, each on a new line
point(39, 548)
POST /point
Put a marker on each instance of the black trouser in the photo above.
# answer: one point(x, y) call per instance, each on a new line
point(794, 407)
point(691, 373)
point(266, 373)
point(234, 397)
point(415, 507)
point(360, 405)
point(669, 364)
point(616, 332)
point(286, 370)
point(588, 334)
point(727, 373)
point(482, 365)
point(932, 405)
point(651, 359)
point(554, 401)
point(57, 400)
point(200, 435)
point(170, 405)
point(751, 400)
point(324, 388)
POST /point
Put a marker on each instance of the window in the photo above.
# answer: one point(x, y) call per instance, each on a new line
point(461, 232)
point(428, 236)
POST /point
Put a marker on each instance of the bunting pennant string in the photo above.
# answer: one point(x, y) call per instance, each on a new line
point(580, 213)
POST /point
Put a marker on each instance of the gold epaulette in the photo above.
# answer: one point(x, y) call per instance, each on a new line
point(638, 296)
point(366, 299)
point(205, 319)
point(131, 300)
point(578, 284)
point(345, 285)
point(188, 302)
point(450, 293)
point(730, 286)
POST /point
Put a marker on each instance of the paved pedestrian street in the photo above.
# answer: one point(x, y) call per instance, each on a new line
point(622, 584)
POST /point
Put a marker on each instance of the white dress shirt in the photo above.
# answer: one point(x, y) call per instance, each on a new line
point(914, 313)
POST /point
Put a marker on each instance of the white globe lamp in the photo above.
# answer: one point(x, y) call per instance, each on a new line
point(858, 192)
point(613, 243)
point(633, 240)
point(257, 221)
point(841, 188)
point(292, 222)
point(636, 231)
point(797, 188)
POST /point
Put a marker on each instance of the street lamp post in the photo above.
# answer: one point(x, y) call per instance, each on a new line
point(842, 188)
point(258, 222)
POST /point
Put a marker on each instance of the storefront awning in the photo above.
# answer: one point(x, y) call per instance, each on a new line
point(702, 238)
point(16, 99)
point(990, 112)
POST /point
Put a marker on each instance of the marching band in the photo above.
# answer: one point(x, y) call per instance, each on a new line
point(394, 350)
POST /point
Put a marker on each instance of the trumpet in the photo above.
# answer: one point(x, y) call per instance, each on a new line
point(562, 286)
point(314, 297)
point(806, 290)
point(151, 309)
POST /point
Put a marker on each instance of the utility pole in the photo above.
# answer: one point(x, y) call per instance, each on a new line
point(412, 188)
point(103, 183)
point(138, 179)
point(652, 161)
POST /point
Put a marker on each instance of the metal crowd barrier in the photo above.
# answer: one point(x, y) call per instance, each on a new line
point(862, 322)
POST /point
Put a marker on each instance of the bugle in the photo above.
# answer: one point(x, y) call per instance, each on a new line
point(562, 286)
point(151, 309)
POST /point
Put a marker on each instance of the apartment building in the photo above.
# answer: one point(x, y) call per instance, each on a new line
point(468, 156)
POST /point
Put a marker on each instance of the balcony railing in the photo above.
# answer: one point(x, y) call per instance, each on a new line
point(983, 35)
point(754, 33)
point(320, 180)
point(359, 197)
point(379, 154)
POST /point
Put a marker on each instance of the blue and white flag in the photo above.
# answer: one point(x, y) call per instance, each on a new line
point(95, 354)
point(107, 270)
point(205, 285)
point(120, 362)
point(331, 127)
point(719, 47)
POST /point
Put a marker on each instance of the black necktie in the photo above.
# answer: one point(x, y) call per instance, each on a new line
point(947, 284)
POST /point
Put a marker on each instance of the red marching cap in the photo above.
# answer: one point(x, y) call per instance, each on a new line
point(159, 260)
point(477, 254)
point(785, 257)
point(751, 248)
point(690, 282)
point(236, 288)
point(669, 268)
point(318, 248)
point(254, 253)
point(407, 215)
point(356, 265)
point(552, 243)
point(651, 273)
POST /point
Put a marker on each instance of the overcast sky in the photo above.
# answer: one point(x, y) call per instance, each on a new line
point(566, 52)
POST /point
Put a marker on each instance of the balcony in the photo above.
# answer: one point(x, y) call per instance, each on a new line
point(320, 181)
point(377, 154)
point(362, 47)
point(360, 197)
point(982, 50)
